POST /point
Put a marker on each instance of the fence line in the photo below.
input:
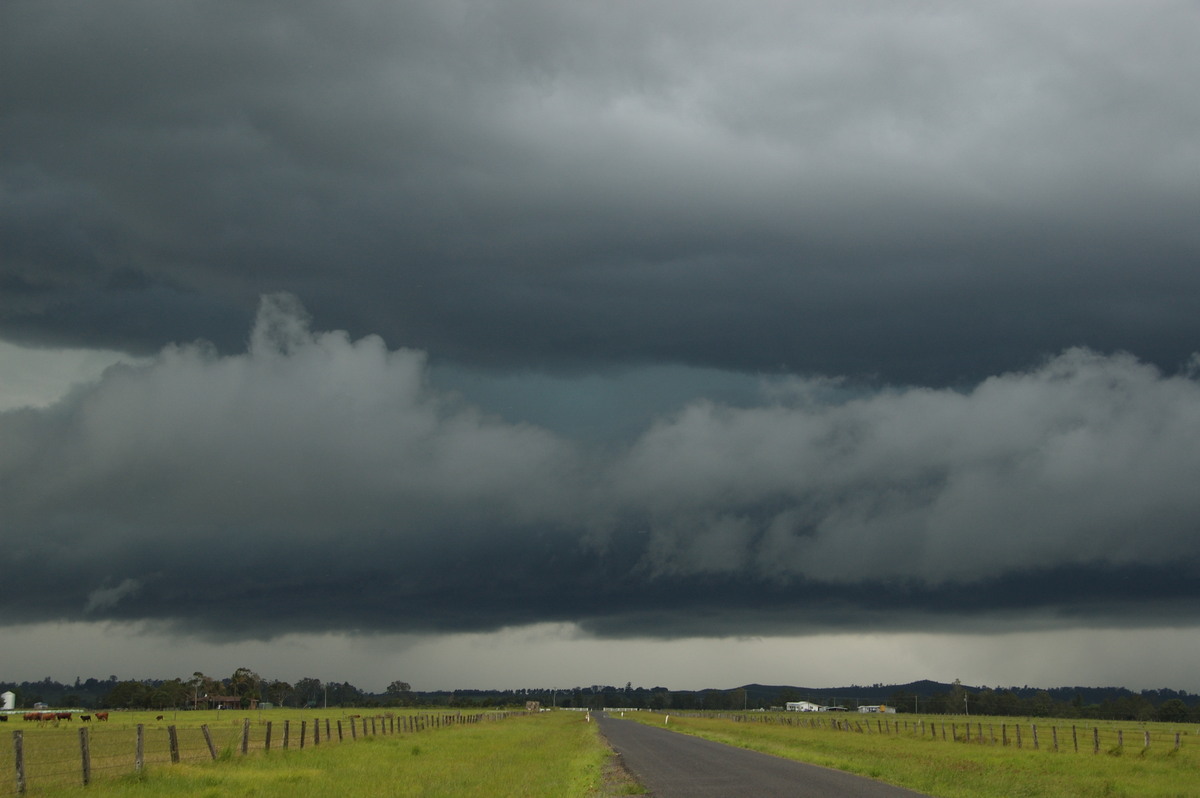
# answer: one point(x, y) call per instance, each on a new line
point(1108, 738)
point(54, 759)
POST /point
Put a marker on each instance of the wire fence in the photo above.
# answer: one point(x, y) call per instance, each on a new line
point(1110, 738)
point(57, 754)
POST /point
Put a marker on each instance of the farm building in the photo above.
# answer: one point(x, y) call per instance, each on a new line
point(878, 708)
point(226, 702)
point(803, 706)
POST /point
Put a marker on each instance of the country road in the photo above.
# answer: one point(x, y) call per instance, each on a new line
point(673, 765)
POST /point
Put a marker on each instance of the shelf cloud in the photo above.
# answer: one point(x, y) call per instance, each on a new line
point(650, 321)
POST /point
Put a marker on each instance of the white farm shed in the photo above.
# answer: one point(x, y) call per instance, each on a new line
point(803, 706)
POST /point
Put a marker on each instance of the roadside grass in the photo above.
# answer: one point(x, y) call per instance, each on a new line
point(948, 769)
point(551, 754)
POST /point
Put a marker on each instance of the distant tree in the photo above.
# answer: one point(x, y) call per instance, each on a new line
point(200, 685)
point(1041, 705)
point(174, 693)
point(128, 694)
point(345, 695)
point(1174, 710)
point(399, 688)
point(244, 682)
point(157, 698)
point(278, 692)
point(308, 691)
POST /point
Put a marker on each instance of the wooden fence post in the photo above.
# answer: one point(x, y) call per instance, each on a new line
point(267, 739)
point(1017, 728)
point(173, 742)
point(327, 735)
point(212, 749)
point(1035, 737)
point(1095, 739)
point(1075, 738)
point(353, 729)
point(85, 755)
point(1147, 745)
point(339, 725)
point(139, 754)
point(1120, 738)
point(19, 760)
point(1176, 741)
point(286, 731)
point(303, 727)
point(245, 736)
point(317, 731)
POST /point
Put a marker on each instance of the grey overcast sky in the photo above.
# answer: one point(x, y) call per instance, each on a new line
point(543, 343)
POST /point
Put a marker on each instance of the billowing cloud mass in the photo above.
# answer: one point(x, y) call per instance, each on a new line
point(649, 320)
point(316, 482)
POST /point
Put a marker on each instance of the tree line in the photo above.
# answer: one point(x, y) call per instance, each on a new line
point(193, 692)
point(923, 697)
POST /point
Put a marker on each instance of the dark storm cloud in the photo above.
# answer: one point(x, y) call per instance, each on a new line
point(926, 193)
point(321, 482)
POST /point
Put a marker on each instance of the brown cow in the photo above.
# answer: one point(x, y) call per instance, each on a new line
point(101, 716)
point(63, 716)
point(33, 716)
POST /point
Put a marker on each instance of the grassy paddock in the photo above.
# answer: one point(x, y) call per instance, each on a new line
point(548, 754)
point(929, 764)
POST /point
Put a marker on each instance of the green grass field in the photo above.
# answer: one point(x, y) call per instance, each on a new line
point(552, 754)
point(981, 769)
point(559, 755)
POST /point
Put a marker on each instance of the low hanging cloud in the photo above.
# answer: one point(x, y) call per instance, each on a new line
point(318, 482)
point(107, 597)
point(1084, 461)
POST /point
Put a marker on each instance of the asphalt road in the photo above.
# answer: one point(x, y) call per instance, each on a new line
point(673, 765)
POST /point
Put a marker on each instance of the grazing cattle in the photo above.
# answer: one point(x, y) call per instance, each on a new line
point(158, 717)
point(101, 716)
point(33, 716)
point(3, 718)
point(85, 718)
point(63, 716)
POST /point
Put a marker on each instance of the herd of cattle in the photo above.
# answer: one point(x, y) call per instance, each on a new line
point(55, 717)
